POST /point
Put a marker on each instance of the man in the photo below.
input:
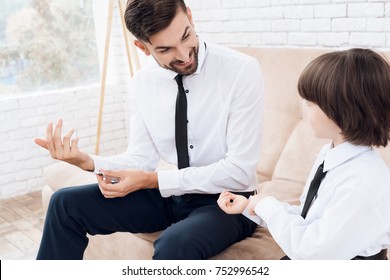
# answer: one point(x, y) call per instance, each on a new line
point(217, 149)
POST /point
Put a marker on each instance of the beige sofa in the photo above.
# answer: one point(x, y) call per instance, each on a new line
point(287, 154)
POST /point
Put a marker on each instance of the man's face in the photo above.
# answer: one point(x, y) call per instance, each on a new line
point(176, 47)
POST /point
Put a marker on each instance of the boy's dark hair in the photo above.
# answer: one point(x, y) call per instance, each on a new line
point(352, 88)
point(145, 18)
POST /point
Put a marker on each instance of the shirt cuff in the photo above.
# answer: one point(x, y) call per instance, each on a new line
point(253, 218)
point(168, 182)
point(99, 164)
point(266, 206)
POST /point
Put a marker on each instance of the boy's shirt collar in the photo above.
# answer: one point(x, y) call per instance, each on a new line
point(335, 156)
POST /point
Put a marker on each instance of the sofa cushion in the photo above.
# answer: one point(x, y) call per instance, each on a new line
point(118, 246)
point(279, 127)
point(259, 246)
point(298, 155)
point(283, 190)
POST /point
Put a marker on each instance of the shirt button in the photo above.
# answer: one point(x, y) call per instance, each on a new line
point(191, 146)
point(186, 91)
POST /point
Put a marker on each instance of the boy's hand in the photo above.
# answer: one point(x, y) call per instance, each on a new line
point(231, 203)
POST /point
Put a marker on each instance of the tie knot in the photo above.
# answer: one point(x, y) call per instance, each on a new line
point(179, 79)
point(320, 174)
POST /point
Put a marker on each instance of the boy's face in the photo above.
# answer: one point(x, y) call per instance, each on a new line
point(323, 127)
point(175, 47)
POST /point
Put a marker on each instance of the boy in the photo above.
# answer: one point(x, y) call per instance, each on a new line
point(348, 98)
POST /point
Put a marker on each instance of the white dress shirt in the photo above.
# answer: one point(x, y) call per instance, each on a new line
point(350, 216)
point(225, 115)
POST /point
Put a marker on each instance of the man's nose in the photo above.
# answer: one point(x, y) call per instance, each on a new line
point(183, 54)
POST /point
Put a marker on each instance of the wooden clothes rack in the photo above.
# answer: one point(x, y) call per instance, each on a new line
point(131, 55)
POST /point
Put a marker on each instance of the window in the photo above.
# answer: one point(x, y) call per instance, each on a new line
point(47, 44)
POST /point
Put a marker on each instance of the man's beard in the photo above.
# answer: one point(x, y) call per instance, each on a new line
point(191, 69)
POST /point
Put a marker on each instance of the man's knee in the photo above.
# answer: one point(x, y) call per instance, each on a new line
point(61, 201)
point(178, 246)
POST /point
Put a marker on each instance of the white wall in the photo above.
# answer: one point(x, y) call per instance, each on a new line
point(298, 23)
point(295, 23)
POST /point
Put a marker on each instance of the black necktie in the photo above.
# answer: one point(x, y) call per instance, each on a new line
point(181, 126)
point(313, 189)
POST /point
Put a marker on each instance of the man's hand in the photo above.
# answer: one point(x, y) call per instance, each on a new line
point(66, 148)
point(231, 203)
point(128, 181)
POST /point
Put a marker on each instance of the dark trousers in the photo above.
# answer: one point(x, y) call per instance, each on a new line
point(194, 226)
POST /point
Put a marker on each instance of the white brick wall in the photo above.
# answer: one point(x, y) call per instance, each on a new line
point(297, 23)
point(22, 119)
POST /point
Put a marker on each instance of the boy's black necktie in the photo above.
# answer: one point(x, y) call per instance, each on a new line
point(181, 126)
point(313, 189)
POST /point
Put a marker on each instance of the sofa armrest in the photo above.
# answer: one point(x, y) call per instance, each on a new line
point(62, 174)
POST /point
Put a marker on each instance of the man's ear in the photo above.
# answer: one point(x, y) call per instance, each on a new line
point(142, 47)
point(189, 15)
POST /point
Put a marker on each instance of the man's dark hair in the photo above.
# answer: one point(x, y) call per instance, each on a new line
point(145, 18)
point(352, 88)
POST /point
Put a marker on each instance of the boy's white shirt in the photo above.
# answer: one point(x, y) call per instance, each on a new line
point(350, 216)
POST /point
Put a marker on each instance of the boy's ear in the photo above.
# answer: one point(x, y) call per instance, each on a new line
point(142, 47)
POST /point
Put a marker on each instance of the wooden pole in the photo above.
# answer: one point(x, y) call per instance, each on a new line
point(122, 12)
point(127, 36)
point(104, 74)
